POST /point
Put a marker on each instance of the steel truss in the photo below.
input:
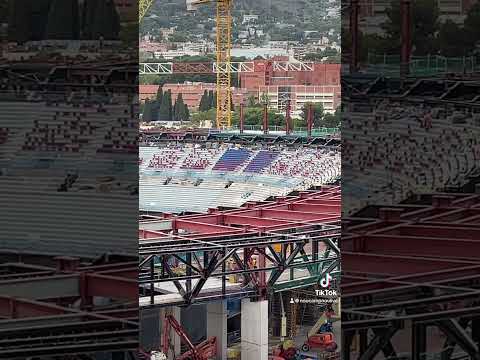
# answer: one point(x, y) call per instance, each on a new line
point(412, 269)
point(167, 68)
point(224, 45)
point(47, 308)
point(264, 244)
point(293, 66)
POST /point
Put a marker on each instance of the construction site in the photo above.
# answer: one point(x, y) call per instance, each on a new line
point(239, 228)
point(243, 281)
point(409, 225)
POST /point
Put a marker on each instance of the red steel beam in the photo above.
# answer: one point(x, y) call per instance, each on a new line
point(252, 221)
point(265, 119)
point(406, 37)
point(354, 284)
point(22, 308)
point(325, 209)
point(416, 246)
point(202, 228)
point(449, 231)
point(395, 265)
point(295, 215)
point(111, 287)
point(242, 118)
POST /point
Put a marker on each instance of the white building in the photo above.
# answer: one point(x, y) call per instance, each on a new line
point(299, 95)
point(249, 18)
point(171, 54)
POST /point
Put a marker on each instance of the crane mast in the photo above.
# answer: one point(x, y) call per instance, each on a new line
point(223, 47)
point(224, 44)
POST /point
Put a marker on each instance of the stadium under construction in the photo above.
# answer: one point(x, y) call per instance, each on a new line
point(409, 225)
point(239, 235)
point(68, 144)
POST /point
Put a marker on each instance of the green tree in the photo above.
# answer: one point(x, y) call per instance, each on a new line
point(202, 116)
point(63, 20)
point(212, 101)
point(159, 95)
point(178, 37)
point(452, 40)
point(19, 29)
point(332, 120)
point(88, 18)
point(254, 116)
point(317, 56)
point(147, 111)
point(264, 99)
point(156, 103)
point(105, 22)
point(424, 25)
point(129, 34)
point(169, 103)
point(318, 114)
point(38, 16)
point(472, 26)
point(3, 11)
point(164, 111)
point(179, 109)
point(299, 123)
point(252, 102)
point(204, 102)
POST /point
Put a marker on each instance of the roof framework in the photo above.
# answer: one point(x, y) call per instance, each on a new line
point(273, 246)
point(47, 306)
point(408, 269)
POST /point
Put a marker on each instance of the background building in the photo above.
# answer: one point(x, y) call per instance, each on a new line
point(299, 95)
point(320, 85)
point(265, 75)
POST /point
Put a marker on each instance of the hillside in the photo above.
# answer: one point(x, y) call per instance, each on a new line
point(279, 19)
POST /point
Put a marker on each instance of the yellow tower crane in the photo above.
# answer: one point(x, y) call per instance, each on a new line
point(223, 47)
point(143, 7)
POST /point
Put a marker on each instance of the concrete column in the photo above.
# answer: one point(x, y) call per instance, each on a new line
point(174, 338)
point(254, 330)
point(217, 326)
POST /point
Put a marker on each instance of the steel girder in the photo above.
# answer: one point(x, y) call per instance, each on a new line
point(204, 260)
point(47, 310)
point(61, 335)
point(264, 243)
point(432, 279)
point(166, 68)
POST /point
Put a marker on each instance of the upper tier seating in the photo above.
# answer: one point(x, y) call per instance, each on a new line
point(64, 132)
point(263, 159)
point(402, 148)
point(232, 159)
point(200, 159)
point(165, 159)
point(121, 137)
